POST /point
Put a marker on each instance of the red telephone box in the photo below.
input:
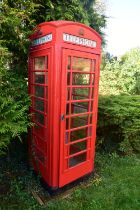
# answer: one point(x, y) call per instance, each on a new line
point(64, 62)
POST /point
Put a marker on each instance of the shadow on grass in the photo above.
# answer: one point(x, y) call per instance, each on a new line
point(115, 187)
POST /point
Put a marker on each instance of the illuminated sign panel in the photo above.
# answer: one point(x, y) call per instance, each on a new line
point(42, 40)
point(79, 40)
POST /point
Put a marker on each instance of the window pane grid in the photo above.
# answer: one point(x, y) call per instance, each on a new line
point(40, 90)
point(69, 121)
point(80, 83)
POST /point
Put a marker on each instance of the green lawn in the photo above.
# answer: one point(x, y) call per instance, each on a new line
point(117, 187)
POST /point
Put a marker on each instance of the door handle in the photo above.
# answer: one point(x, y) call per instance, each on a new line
point(62, 117)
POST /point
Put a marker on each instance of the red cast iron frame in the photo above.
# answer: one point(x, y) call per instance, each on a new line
point(62, 104)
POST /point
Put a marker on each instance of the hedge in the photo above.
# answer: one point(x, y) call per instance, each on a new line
point(119, 123)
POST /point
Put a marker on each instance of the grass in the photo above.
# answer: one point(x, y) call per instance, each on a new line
point(117, 186)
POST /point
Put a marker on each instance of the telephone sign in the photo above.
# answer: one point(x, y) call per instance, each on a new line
point(79, 40)
point(42, 40)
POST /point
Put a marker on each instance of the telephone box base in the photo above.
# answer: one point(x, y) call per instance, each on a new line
point(55, 191)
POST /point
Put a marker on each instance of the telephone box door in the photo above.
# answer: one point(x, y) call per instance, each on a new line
point(79, 92)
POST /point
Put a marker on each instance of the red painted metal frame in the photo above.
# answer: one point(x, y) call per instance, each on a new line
point(47, 148)
point(72, 173)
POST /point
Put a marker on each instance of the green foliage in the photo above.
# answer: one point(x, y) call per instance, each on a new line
point(16, 24)
point(14, 102)
point(17, 20)
point(74, 10)
point(119, 123)
point(131, 67)
point(122, 75)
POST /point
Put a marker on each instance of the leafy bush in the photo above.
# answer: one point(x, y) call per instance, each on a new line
point(122, 75)
point(119, 123)
point(14, 102)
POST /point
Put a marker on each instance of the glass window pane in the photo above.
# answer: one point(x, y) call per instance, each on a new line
point(69, 62)
point(68, 94)
point(79, 121)
point(91, 119)
point(68, 109)
point(46, 62)
point(46, 92)
point(66, 137)
point(92, 79)
point(68, 78)
point(77, 147)
point(80, 79)
point(39, 155)
point(89, 130)
point(93, 65)
point(39, 105)
point(77, 159)
point(79, 107)
point(39, 118)
point(81, 64)
point(39, 77)
point(67, 123)
point(46, 75)
point(40, 63)
point(39, 91)
point(91, 106)
point(80, 93)
point(79, 134)
point(39, 131)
